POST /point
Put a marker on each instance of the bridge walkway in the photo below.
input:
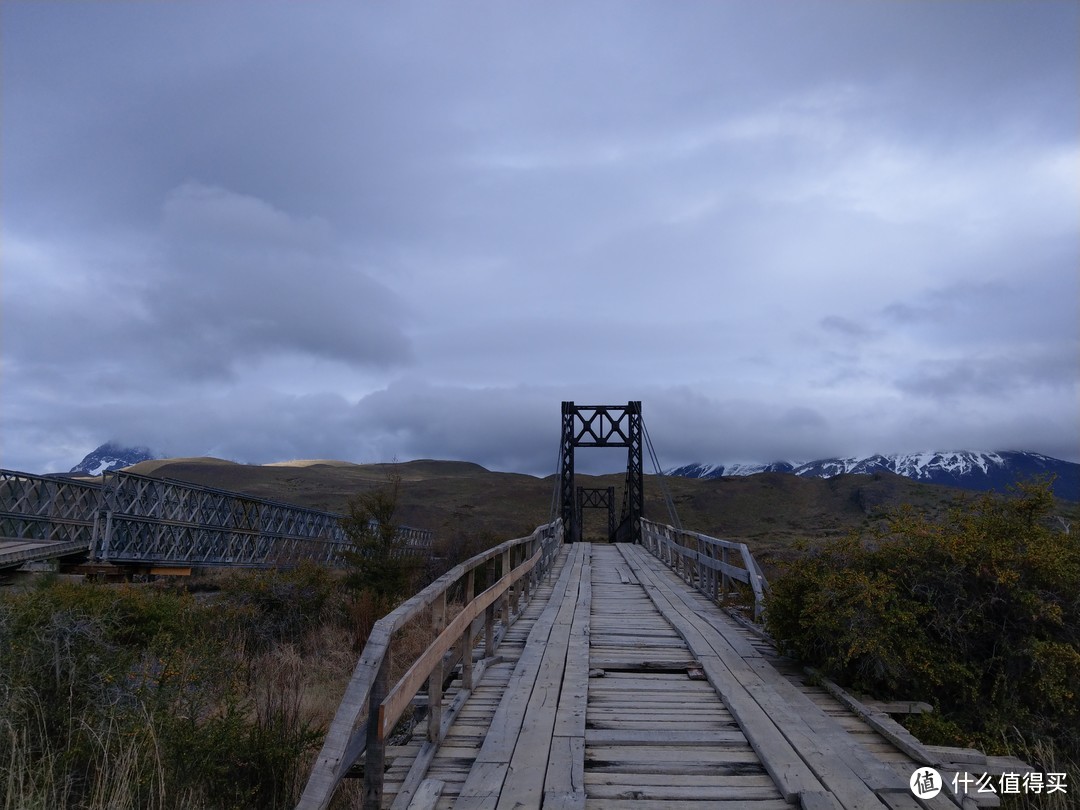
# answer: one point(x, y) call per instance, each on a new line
point(626, 688)
point(15, 551)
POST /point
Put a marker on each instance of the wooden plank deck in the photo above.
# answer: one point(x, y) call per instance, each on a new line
point(621, 687)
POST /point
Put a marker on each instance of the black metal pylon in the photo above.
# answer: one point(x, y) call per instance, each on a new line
point(597, 498)
point(603, 426)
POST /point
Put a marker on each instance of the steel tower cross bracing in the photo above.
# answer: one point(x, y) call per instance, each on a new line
point(597, 498)
point(603, 426)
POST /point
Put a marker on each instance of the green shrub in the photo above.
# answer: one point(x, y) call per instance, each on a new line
point(978, 613)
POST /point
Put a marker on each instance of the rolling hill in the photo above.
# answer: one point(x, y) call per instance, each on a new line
point(769, 511)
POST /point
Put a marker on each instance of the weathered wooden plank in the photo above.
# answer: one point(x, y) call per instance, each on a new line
point(881, 723)
point(573, 697)
point(672, 736)
point(662, 715)
point(564, 784)
point(776, 748)
point(427, 796)
point(564, 801)
point(527, 772)
point(697, 793)
point(681, 804)
point(489, 772)
point(748, 763)
point(630, 723)
point(651, 699)
point(641, 664)
point(819, 801)
point(652, 686)
point(668, 753)
point(899, 706)
point(637, 719)
point(686, 780)
point(841, 744)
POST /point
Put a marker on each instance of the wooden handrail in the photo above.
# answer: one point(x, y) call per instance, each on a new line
point(705, 562)
point(345, 741)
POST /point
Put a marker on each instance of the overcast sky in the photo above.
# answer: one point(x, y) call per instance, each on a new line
point(366, 231)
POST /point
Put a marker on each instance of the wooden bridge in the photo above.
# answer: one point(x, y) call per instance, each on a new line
point(607, 676)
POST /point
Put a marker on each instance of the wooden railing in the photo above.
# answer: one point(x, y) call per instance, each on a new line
point(371, 707)
point(706, 563)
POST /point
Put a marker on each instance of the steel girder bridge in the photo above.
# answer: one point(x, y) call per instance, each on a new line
point(137, 520)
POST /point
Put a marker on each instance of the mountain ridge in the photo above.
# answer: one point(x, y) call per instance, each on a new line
point(979, 471)
point(112, 456)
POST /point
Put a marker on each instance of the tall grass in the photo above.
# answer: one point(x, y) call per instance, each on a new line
point(152, 697)
point(1045, 757)
point(139, 697)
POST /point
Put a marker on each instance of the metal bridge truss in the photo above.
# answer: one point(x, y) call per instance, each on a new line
point(51, 516)
point(136, 519)
point(603, 426)
point(597, 498)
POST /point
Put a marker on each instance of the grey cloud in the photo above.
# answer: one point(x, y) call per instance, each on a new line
point(847, 328)
point(997, 376)
point(505, 428)
point(224, 282)
point(242, 279)
point(1029, 297)
point(220, 216)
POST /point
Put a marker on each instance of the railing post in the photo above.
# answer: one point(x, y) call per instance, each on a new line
point(468, 639)
point(725, 580)
point(505, 599)
point(489, 619)
point(516, 587)
point(435, 680)
point(699, 551)
point(375, 751)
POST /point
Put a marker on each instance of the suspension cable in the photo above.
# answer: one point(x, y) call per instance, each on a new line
point(660, 477)
point(558, 484)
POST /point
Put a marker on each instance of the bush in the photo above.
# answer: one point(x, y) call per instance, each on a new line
point(978, 613)
point(282, 606)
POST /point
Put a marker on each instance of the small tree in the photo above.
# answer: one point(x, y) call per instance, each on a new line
point(377, 557)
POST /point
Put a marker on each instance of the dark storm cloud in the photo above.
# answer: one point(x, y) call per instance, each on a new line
point(224, 281)
point(367, 231)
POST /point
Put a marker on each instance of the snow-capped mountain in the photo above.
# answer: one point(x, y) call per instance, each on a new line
point(964, 468)
point(112, 456)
